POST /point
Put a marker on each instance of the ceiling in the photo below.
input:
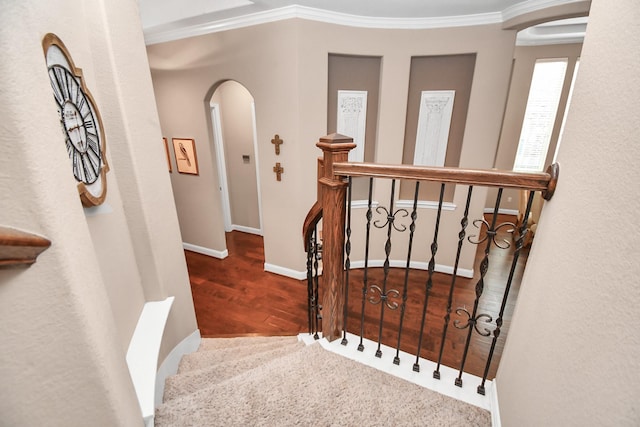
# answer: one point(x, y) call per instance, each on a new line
point(165, 20)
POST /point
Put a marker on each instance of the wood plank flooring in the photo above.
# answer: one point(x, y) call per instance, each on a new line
point(236, 297)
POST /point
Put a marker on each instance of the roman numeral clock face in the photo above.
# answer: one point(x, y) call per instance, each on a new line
point(80, 121)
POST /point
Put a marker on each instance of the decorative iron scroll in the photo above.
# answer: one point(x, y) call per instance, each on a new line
point(383, 297)
point(492, 233)
point(473, 321)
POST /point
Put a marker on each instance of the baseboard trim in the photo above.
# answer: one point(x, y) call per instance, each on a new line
point(283, 271)
point(513, 212)
point(244, 229)
point(495, 408)
point(385, 363)
point(170, 364)
point(418, 265)
point(205, 251)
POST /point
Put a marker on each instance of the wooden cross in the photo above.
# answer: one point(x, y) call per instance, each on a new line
point(279, 170)
point(277, 142)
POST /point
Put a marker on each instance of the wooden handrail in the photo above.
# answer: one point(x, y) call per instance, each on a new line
point(543, 181)
point(313, 217)
point(19, 248)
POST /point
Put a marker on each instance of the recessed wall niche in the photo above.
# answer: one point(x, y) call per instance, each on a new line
point(358, 74)
point(437, 73)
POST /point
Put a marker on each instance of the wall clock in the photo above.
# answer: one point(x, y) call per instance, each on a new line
point(80, 120)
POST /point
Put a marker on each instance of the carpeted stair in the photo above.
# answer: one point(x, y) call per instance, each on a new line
point(279, 381)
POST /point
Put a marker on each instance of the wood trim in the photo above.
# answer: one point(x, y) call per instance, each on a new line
point(542, 181)
point(313, 216)
point(19, 248)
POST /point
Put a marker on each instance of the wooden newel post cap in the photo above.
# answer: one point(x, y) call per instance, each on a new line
point(336, 148)
point(336, 142)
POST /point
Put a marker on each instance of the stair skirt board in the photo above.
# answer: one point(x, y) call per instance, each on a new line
point(230, 371)
point(143, 352)
point(445, 385)
point(170, 364)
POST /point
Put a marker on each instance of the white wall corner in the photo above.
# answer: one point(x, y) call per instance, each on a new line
point(205, 251)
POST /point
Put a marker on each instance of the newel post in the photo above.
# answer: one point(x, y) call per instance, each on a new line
point(335, 148)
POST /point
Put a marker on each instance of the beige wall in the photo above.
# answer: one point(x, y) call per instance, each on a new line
point(285, 67)
point(183, 73)
point(236, 116)
point(571, 358)
point(524, 62)
point(68, 319)
point(354, 72)
point(444, 72)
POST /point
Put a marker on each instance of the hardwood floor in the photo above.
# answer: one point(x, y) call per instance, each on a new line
point(235, 297)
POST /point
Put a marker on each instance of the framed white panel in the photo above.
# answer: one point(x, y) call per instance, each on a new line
point(434, 121)
point(352, 120)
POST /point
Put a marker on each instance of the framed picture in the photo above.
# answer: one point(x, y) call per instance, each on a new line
point(166, 150)
point(186, 158)
point(352, 120)
point(434, 121)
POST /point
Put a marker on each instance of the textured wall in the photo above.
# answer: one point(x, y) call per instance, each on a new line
point(572, 354)
point(67, 320)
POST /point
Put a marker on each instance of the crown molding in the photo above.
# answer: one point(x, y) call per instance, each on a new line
point(185, 28)
point(533, 6)
point(527, 40)
point(170, 32)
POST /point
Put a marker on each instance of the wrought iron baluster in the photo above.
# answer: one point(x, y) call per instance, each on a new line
point(310, 307)
point(366, 264)
point(384, 294)
point(317, 307)
point(496, 333)
point(461, 235)
point(347, 265)
point(429, 283)
point(412, 227)
point(473, 317)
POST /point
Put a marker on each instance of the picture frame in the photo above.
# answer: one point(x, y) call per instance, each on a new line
point(186, 156)
point(166, 150)
point(434, 123)
point(352, 120)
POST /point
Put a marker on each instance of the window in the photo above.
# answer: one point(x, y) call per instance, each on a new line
point(540, 114)
point(564, 118)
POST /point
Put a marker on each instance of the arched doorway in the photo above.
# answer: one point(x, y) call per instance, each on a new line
point(232, 111)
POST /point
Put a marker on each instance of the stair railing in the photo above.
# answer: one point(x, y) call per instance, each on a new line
point(334, 208)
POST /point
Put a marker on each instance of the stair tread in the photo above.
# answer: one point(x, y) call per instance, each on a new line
point(310, 384)
point(232, 342)
point(193, 380)
point(211, 356)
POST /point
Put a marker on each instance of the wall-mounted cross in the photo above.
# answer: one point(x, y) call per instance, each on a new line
point(277, 142)
point(279, 170)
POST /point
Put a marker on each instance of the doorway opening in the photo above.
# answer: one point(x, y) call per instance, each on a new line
point(233, 121)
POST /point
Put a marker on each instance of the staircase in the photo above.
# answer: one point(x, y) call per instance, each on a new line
point(280, 381)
